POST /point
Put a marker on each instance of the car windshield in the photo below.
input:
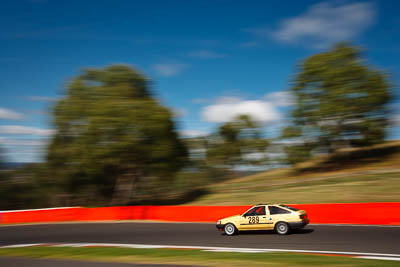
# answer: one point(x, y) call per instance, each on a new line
point(290, 208)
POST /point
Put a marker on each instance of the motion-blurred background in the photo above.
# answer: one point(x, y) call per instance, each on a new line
point(198, 102)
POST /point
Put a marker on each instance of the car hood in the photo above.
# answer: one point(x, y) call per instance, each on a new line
point(231, 217)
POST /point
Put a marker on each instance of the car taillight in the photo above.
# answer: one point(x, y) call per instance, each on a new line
point(303, 216)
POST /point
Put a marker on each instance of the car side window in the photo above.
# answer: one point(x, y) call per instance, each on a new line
point(260, 210)
point(256, 211)
point(275, 210)
point(251, 212)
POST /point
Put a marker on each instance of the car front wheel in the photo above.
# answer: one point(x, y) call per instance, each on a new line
point(229, 229)
point(282, 228)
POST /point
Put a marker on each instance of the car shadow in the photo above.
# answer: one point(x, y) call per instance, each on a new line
point(272, 232)
point(302, 231)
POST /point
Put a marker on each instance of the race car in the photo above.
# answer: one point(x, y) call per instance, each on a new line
point(280, 218)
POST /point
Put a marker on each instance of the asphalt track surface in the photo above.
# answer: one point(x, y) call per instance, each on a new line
point(366, 239)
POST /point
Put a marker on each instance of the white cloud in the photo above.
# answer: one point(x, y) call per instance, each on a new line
point(169, 69)
point(23, 150)
point(324, 23)
point(280, 99)
point(10, 115)
point(227, 108)
point(395, 120)
point(18, 129)
point(206, 54)
point(26, 154)
point(22, 142)
point(192, 133)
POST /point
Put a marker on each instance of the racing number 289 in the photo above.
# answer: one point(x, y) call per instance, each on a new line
point(253, 220)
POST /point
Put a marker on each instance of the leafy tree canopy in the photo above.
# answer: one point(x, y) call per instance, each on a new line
point(111, 133)
point(238, 142)
point(341, 101)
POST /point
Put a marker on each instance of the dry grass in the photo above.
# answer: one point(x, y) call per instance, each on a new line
point(356, 175)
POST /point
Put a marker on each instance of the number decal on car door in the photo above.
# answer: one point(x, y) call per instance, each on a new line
point(253, 220)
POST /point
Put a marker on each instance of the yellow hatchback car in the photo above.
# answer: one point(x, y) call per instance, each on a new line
point(280, 218)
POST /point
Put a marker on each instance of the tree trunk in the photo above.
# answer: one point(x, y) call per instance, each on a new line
point(123, 188)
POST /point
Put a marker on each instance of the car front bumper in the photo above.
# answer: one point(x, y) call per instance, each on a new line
point(220, 227)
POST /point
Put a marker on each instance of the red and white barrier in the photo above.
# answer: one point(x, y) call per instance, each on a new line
point(349, 213)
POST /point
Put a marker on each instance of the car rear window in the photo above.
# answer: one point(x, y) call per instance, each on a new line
point(276, 210)
point(290, 208)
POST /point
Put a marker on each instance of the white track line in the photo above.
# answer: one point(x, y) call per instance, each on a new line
point(380, 258)
point(23, 245)
point(60, 208)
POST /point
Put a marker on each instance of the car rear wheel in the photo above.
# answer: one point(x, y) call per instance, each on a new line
point(282, 228)
point(230, 229)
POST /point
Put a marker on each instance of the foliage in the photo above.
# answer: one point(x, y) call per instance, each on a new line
point(111, 135)
point(291, 132)
point(25, 188)
point(236, 143)
point(341, 101)
point(296, 153)
point(1, 159)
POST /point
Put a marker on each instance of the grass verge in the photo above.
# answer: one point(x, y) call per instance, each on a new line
point(369, 174)
point(285, 188)
point(187, 257)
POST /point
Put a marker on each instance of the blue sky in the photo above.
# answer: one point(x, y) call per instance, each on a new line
point(208, 60)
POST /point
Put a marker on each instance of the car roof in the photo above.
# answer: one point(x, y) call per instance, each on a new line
point(265, 204)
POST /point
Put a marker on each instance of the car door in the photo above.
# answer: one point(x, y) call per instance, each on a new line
point(276, 213)
point(244, 223)
point(255, 219)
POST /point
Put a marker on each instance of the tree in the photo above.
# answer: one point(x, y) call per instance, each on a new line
point(236, 143)
point(297, 149)
point(24, 187)
point(341, 101)
point(110, 134)
point(1, 159)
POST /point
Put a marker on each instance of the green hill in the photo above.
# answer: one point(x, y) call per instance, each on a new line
point(353, 175)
